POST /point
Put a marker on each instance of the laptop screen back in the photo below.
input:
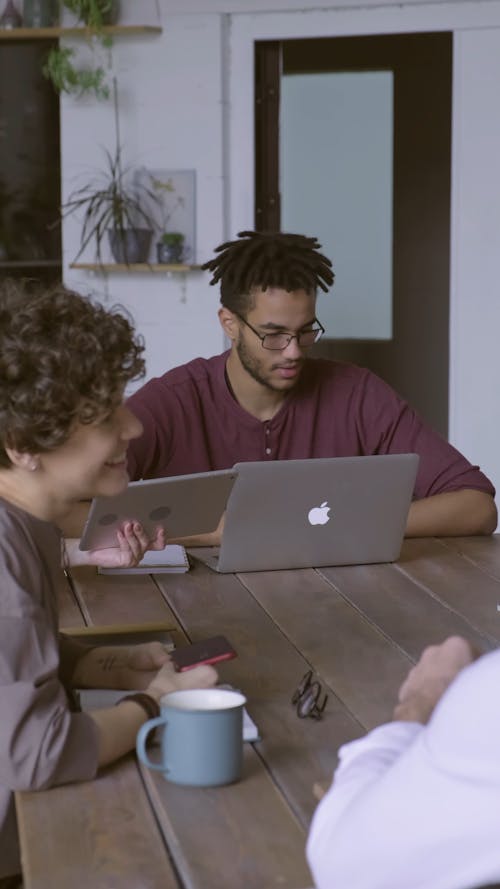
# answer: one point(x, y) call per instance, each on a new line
point(307, 513)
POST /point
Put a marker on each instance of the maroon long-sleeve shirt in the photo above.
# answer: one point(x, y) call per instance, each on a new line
point(192, 423)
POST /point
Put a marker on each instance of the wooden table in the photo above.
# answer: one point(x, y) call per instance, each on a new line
point(358, 628)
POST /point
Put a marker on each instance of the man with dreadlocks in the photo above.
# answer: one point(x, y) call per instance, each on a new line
point(265, 399)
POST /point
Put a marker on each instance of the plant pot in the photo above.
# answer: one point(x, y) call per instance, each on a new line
point(131, 245)
point(11, 17)
point(169, 253)
point(111, 17)
point(40, 13)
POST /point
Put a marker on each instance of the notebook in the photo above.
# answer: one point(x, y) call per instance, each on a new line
point(124, 634)
point(308, 513)
point(184, 505)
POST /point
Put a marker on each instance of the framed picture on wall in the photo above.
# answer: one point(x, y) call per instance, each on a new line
point(172, 207)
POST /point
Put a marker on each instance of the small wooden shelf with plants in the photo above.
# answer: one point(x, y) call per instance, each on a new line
point(134, 267)
point(76, 31)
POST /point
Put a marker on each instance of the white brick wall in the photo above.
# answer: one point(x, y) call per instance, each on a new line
point(175, 90)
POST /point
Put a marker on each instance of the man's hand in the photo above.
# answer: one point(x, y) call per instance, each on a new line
point(212, 538)
point(428, 680)
point(452, 514)
point(132, 542)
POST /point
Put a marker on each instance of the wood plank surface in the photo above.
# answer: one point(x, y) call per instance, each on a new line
point(116, 599)
point(100, 834)
point(361, 665)
point(484, 552)
point(297, 752)
point(401, 608)
point(242, 835)
point(455, 581)
point(358, 627)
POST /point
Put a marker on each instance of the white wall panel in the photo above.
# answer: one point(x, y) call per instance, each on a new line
point(475, 306)
point(188, 102)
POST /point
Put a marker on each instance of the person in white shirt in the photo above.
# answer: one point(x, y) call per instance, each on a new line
point(415, 804)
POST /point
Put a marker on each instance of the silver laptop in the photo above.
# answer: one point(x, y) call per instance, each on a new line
point(183, 505)
point(307, 513)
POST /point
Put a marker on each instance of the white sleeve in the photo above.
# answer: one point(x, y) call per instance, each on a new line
point(361, 763)
point(412, 805)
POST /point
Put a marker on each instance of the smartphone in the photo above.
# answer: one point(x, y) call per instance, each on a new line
point(209, 651)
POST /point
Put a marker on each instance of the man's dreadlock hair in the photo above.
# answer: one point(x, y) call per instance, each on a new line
point(267, 259)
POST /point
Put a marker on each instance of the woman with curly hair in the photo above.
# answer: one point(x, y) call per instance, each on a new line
point(64, 431)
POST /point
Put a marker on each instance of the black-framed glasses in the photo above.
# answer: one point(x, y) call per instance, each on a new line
point(306, 697)
point(276, 342)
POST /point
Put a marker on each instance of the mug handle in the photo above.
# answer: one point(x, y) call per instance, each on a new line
point(140, 746)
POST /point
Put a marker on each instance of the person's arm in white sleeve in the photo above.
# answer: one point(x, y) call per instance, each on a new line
point(362, 763)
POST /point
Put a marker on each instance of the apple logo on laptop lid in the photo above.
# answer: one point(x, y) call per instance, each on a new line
point(318, 515)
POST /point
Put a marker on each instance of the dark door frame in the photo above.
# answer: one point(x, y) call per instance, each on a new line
point(416, 360)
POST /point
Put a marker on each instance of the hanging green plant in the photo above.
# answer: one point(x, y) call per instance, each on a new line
point(59, 66)
point(66, 78)
point(93, 13)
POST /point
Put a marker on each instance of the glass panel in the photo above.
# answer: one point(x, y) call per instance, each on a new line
point(336, 158)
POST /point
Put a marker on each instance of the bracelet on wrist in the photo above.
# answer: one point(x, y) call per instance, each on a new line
point(149, 704)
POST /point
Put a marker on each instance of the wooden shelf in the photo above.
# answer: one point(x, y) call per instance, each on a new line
point(30, 263)
point(48, 33)
point(133, 267)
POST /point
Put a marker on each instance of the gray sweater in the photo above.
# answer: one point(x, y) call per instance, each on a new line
point(42, 742)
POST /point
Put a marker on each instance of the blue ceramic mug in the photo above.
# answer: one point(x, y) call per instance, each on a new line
point(201, 737)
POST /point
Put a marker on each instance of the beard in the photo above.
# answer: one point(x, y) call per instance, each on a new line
point(257, 370)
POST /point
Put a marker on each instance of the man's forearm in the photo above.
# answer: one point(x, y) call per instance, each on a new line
point(415, 709)
point(454, 514)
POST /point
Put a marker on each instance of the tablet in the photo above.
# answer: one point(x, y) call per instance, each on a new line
point(183, 505)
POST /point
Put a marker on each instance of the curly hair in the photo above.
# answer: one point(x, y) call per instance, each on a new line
point(267, 259)
point(63, 359)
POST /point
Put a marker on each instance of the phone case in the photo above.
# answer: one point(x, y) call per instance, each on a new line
point(208, 651)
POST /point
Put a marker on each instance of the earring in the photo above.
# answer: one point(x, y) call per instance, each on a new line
point(33, 465)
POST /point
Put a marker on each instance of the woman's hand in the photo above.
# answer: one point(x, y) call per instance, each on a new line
point(166, 680)
point(131, 667)
point(132, 543)
point(118, 726)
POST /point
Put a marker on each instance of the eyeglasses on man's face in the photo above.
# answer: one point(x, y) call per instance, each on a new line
point(276, 342)
point(306, 697)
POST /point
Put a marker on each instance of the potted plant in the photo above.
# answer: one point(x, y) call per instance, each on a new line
point(116, 206)
point(59, 66)
point(93, 13)
point(170, 246)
